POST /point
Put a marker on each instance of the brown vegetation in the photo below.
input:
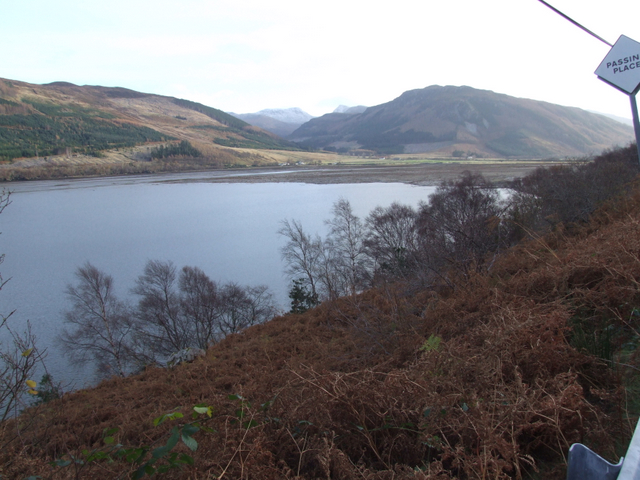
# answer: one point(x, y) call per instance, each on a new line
point(95, 168)
point(493, 378)
point(60, 121)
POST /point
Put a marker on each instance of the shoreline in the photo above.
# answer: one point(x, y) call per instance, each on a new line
point(422, 174)
point(426, 174)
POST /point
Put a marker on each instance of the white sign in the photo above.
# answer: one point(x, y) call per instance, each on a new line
point(621, 66)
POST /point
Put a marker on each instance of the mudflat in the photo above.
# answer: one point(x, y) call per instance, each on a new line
point(426, 174)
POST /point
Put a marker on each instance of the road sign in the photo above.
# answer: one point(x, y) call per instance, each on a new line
point(621, 67)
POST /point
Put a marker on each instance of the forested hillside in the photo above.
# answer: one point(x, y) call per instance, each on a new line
point(474, 337)
point(66, 120)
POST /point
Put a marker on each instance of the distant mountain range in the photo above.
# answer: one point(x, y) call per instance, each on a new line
point(463, 121)
point(41, 120)
point(281, 121)
point(284, 121)
point(345, 109)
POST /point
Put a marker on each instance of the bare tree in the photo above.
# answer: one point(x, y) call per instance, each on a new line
point(189, 310)
point(302, 255)
point(570, 193)
point(391, 239)
point(98, 327)
point(200, 302)
point(163, 329)
point(242, 307)
point(262, 304)
point(19, 359)
point(461, 227)
point(349, 259)
point(174, 313)
point(325, 268)
point(19, 355)
point(330, 284)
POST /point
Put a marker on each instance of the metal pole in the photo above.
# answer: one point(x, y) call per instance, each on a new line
point(636, 121)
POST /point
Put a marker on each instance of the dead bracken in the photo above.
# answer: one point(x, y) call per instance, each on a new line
point(491, 375)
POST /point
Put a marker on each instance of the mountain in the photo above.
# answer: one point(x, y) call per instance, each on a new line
point(287, 115)
point(617, 118)
point(41, 120)
point(280, 121)
point(345, 109)
point(465, 121)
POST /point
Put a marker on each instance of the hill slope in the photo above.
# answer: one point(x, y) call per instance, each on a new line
point(495, 378)
point(42, 120)
point(466, 120)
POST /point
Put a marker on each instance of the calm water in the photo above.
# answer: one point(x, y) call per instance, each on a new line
point(228, 230)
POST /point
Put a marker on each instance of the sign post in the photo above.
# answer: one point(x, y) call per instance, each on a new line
point(621, 69)
point(636, 121)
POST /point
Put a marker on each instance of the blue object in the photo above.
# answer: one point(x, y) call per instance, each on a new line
point(587, 465)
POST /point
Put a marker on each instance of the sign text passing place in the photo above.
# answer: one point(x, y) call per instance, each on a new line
point(621, 67)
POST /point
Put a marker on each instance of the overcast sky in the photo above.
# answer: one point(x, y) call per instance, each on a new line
point(243, 56)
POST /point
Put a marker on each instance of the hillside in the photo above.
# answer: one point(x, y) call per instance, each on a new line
point(491, 374)
point(462, 121)
point(65, 119)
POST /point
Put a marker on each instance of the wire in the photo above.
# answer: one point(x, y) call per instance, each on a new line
point(575, 23)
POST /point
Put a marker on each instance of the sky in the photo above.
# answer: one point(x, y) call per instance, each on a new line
point(243, 56)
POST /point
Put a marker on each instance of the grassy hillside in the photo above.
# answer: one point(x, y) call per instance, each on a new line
point(492, 374)
point(480, 122)
point(62, 119)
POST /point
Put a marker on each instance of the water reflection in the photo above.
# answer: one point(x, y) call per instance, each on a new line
point(228, 230)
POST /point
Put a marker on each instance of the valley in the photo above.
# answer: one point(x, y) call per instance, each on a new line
point(60, 130)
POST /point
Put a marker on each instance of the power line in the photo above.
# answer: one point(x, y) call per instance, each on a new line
point(632, 96)
point(575, 23)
